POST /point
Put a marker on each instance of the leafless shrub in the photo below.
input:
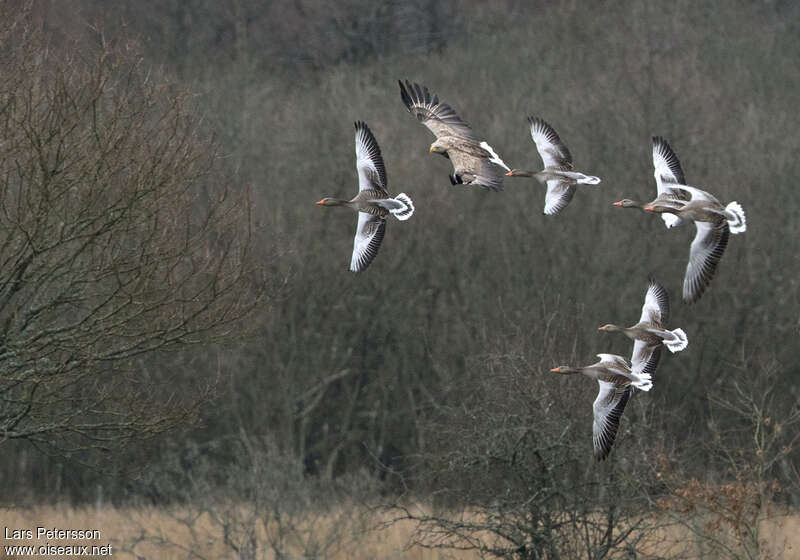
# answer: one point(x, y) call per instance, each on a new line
point(750, 481)
point(260, 505)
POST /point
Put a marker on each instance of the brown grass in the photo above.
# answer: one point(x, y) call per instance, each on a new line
point(169, 539)
point(152, 533)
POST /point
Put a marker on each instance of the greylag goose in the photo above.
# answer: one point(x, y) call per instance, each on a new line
point(649, 334)
point(372, 202)
point(474, 161)
point(666, 170)
point(558, 172)
point(615, 377)
point(714, 223)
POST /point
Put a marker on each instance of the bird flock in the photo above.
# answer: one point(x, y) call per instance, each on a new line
point(476, 163)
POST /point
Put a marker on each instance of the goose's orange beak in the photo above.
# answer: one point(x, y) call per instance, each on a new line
point(649, 208)
point(618, 203)
point(555, 369)
point(510, 173)
point(321, 201)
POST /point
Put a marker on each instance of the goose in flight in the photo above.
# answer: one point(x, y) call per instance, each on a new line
point(649, 334)
point(714, 223)
point(558, 172)
point(372, 202)
point(615, 377)
point(474, 161)
point(667, 171)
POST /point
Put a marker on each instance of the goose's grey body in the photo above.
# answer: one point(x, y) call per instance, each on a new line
point(372, 202)
point(615, 378)
point(558, 172)
point(714, 223)
point(649, 334)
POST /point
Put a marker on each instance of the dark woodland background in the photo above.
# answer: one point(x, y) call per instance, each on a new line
point(425, 378)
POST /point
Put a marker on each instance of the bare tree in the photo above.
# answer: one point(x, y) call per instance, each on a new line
point(121, 238)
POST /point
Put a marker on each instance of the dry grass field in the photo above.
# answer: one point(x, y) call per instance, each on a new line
point(151, 533)
point(158, 535)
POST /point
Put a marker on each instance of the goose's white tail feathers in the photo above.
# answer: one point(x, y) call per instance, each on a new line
point(494, 157)
point(407, 209)
point(589, 180)
point(736, 219)
point(642, 381)
point(681, 342)
point(671, 220)
point(577, 176)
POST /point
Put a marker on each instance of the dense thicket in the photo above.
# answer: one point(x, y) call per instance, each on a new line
point(364, 373)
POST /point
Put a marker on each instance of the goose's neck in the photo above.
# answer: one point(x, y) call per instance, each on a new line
point(627, 203)
point(567, 370)
point(521, 173)
point(659, 208)
point(337, 202)
point(630, 332)
point(328, 201)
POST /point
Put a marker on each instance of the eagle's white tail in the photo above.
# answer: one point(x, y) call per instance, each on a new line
point(494, 157)
point(642, 381)
point(407, 210)
point(679, 343)
point(736, 219)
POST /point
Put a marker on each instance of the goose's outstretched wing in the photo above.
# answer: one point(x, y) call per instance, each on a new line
point(656, 305)
point(369, 162)
point(704, 256)
point(369, 235)
point(559, 193)
point(667, 170)
point(608, 408)
point(645, 358)
point(666, 167)
point(550, 147)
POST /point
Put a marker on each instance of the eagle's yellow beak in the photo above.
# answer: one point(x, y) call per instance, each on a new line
point(431, 149)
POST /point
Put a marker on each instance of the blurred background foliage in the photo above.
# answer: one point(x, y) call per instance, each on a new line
point(365, 373)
